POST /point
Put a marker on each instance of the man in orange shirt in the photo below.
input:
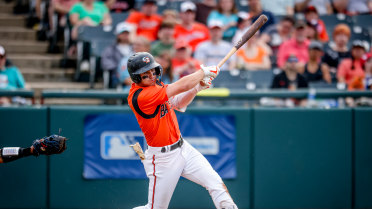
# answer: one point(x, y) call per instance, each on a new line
point(168, 155)
point(312, 17)
point(189, 30)
point(182, 62)
point(146, 22)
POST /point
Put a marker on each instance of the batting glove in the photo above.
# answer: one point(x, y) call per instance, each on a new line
point(210, 71)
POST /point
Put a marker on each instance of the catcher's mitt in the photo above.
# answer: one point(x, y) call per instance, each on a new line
point(49, 145)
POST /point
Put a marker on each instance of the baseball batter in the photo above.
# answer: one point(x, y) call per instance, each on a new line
point(168, 155)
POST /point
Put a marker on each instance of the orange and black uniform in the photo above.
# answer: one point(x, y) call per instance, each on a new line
point(154, 114)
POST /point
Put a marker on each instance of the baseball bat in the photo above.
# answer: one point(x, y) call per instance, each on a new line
point(247, 35)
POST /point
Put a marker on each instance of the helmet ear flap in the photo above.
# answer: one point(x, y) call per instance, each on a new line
point(159, 71)
point(136, 78)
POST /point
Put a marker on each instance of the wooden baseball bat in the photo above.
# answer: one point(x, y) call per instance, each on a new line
point(247, 35)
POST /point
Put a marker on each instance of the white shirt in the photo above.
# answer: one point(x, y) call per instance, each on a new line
point(277, 7)
point(211, 54)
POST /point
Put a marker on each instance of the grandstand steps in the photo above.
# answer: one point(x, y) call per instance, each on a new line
point(24, 47)
point(12, 20)
point(6, 8)
point(41, 75)
point(40, 61)
point(17, 33)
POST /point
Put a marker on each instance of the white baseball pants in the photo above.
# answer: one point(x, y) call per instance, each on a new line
point(165, 169)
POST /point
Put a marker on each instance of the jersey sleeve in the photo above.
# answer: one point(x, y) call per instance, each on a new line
point(151, 97)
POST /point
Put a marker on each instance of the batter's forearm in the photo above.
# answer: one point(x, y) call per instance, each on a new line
point(185, 83)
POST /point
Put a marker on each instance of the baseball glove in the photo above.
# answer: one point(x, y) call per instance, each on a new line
point(49, 145)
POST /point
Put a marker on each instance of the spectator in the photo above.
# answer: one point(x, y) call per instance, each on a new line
point(243, 24)
point(337, 50)
point(322, 6)
point(314, 70)
point(189, 30)
point(276, 34)
point(170, 15)
point(182, 62)
point(165, 60)
point(283, 7)
point(10, 77)
point(340, 7)
point(140, 44)
point(146, 22)
point(311, 32)
point(289, 78)
point(298, 46)
point(166, 40)
point(113, 54)
point(312, 18)
point(255, 10)
point(356, 7)
point(119, 6)
point(255, 55)
point(368, 66)
point(90, 13)
point(212, 51)
point(351, 71)
point(203, 9)
point(61, 7)
point(226, 13)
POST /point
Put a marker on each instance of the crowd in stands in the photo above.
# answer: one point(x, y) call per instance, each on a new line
point(295, 41)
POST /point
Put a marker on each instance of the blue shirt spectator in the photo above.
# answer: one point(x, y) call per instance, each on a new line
point(227, 14)
point(10, 76)
point(255, 10)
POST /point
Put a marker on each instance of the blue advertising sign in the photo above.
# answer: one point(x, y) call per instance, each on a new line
point(108, 136)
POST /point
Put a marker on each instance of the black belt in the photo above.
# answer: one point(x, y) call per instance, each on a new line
point(173, 146)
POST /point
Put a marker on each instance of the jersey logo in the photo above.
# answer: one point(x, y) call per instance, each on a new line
point(163, 110)
point(146, 59)
point(214, 71)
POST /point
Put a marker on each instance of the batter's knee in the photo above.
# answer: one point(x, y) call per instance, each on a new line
point(228, 205)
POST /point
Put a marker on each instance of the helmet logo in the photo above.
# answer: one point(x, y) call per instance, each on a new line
point(146, 59)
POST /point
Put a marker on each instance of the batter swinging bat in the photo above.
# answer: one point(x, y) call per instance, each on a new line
point(247, 35)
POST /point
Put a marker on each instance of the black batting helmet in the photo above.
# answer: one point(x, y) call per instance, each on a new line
point(141, 62)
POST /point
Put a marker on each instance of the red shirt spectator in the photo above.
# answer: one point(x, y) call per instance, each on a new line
point(147, 21)
point(189, 30)
point(182, 63)
point(297, 46)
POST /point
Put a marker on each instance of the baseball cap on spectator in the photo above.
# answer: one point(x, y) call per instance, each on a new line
point(300, 24)
point(316, 45)
point(358, 44)
point(310, 9)
point(243, 16)
point(188, 6)
point(181, 44)
point(292, 58)
point(149, 2)
point(215, 24)
point(342, 29)
point(123, 27)
point(2, 51)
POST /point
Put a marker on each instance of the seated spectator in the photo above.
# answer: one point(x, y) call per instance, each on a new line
point(337, 50)
point(203, 9)
point(225, 12)
point(255, 10)
point(166, 39)
point(243, 24)
point(61, 7)
point(311, 32)
point(314, 70)
point(312, 18)
point(356, 7)
point(113, 54)
point(10, 77)
point(254, 55)
point(190, 31)
point(118, 6)
point(322, 6)
point(276, 34)
point(340, 7)
point(213, 51)
point(289, 78)
point(171, 15)
point(183, 64)
point(165, 60)
point(140, 44)
point(147, 21)
point(298, 46)
point(368, 66)
point(283, 7)
point(351, 71)
point(90, 13)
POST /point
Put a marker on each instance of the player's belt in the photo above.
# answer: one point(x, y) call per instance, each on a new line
point(173, 146)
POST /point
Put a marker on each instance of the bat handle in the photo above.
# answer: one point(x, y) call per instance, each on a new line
point(231, 52)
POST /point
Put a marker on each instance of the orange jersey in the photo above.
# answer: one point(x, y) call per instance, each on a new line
point(197, 34)
point(154, 114)
point(147, 26)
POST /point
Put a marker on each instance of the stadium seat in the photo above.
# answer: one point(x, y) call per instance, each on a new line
point(234, 79)
point(361, 33)
point(118, 17)
point(261, 79)
point(332, 20)
point(322, 85)
point(96, 48)
point(364, 21)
